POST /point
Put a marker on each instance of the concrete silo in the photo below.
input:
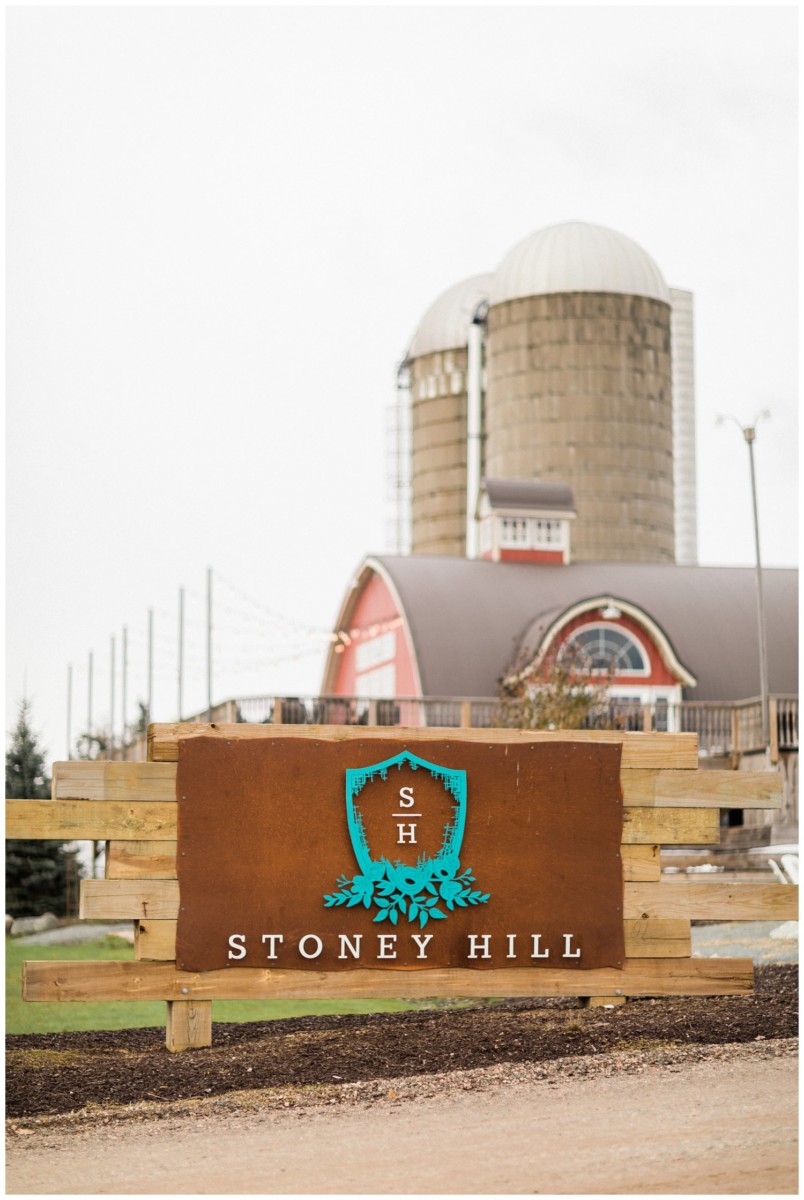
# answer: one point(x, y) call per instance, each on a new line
point(437, 364)
point(579, 386)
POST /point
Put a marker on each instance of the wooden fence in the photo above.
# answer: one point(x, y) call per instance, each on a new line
point(668, 801)
point(728, 729)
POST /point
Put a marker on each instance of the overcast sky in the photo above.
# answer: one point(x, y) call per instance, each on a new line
point(224, 225)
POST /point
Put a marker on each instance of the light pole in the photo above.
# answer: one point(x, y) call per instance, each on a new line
point(749, 433)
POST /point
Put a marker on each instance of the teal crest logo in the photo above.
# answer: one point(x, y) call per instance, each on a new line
point(418, 879)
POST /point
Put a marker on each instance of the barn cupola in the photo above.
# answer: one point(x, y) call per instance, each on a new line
point(525, 520)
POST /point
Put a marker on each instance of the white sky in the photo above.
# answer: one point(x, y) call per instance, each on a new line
point(223, 227)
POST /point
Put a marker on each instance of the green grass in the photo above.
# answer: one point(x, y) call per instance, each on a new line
point(24, 1017)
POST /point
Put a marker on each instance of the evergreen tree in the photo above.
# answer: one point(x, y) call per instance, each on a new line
point(26, 774)
point(36, 871)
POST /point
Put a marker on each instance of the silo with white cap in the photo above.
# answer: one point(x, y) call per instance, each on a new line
point(437, 362)
point(579, 385)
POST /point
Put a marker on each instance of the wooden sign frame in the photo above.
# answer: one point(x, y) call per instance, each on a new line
point(667, 799)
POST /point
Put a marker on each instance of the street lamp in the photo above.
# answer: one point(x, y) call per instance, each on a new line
point(749, 433)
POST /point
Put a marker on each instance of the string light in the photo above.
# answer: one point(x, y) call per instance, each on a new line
point(265, 611)
point(249, 637)
point(365, 632)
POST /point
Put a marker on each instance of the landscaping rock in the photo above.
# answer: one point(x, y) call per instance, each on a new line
point(24, 925)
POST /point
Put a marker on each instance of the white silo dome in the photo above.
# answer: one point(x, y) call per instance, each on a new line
point(445, 325)
point(577, 257)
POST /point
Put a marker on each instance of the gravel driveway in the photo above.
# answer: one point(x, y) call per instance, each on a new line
point(705, 1120)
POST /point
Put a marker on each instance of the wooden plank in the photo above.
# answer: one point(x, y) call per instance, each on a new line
point(124, 781)
point(661, 750)
point(642, 787)
point(156, 940)
point(189, 1025)
point(641, 864)
point(141, 860)
point(157, 860)
point(90, 820)
point(711, 900)
point(142, 821)
point(697, 789)
point(671, 826)
point(657, 939)
point(124, 899)
point(119, 980)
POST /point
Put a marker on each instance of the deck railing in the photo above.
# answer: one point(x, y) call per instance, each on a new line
point(722, 729)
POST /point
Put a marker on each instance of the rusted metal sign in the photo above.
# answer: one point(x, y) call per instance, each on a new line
point(307, 854)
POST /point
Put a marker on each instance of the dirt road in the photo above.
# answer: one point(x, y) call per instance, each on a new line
point(723, 1123)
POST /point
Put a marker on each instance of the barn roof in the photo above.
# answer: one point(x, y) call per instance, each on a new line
point(468, 618)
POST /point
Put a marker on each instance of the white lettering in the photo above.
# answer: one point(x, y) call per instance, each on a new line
point(406, 797)
point(350, 946)
point(237, 943)
point(537, 937)
point(387, 945)
point(407, 833)
point(272, 939)
point(479, 942)
point(422, 943)
point(354, 947)
point(567, 943)
point(314, 938)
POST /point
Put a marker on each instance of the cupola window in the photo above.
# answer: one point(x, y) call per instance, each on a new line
point(530, 532)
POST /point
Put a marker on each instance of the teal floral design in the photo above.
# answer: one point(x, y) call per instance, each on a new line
point(397, 890)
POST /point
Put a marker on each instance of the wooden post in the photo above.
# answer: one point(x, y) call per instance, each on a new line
point(124, 698)
point(150, 665)
point(466, 714)
point(647, 718)
point(209, 643)
point(69, 714)
point(189, 1025)
point(735, 736)
point(773, 720)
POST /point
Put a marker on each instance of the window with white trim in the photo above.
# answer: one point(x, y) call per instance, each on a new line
point(607, 648)
point(375, 650)
point(531, 533)
point(375, 675)
point(377, 684)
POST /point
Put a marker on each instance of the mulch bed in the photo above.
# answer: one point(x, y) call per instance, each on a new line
point(65, 1072)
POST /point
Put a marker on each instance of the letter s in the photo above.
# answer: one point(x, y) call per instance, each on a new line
point(237, 944)
point(406, 797)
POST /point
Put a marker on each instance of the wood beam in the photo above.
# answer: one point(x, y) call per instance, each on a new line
point(118, 980)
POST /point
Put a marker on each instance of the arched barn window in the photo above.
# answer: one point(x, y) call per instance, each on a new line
point(608, 648)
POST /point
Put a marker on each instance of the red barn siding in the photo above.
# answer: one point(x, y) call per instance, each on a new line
point(531, 556)
point(375, 611)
